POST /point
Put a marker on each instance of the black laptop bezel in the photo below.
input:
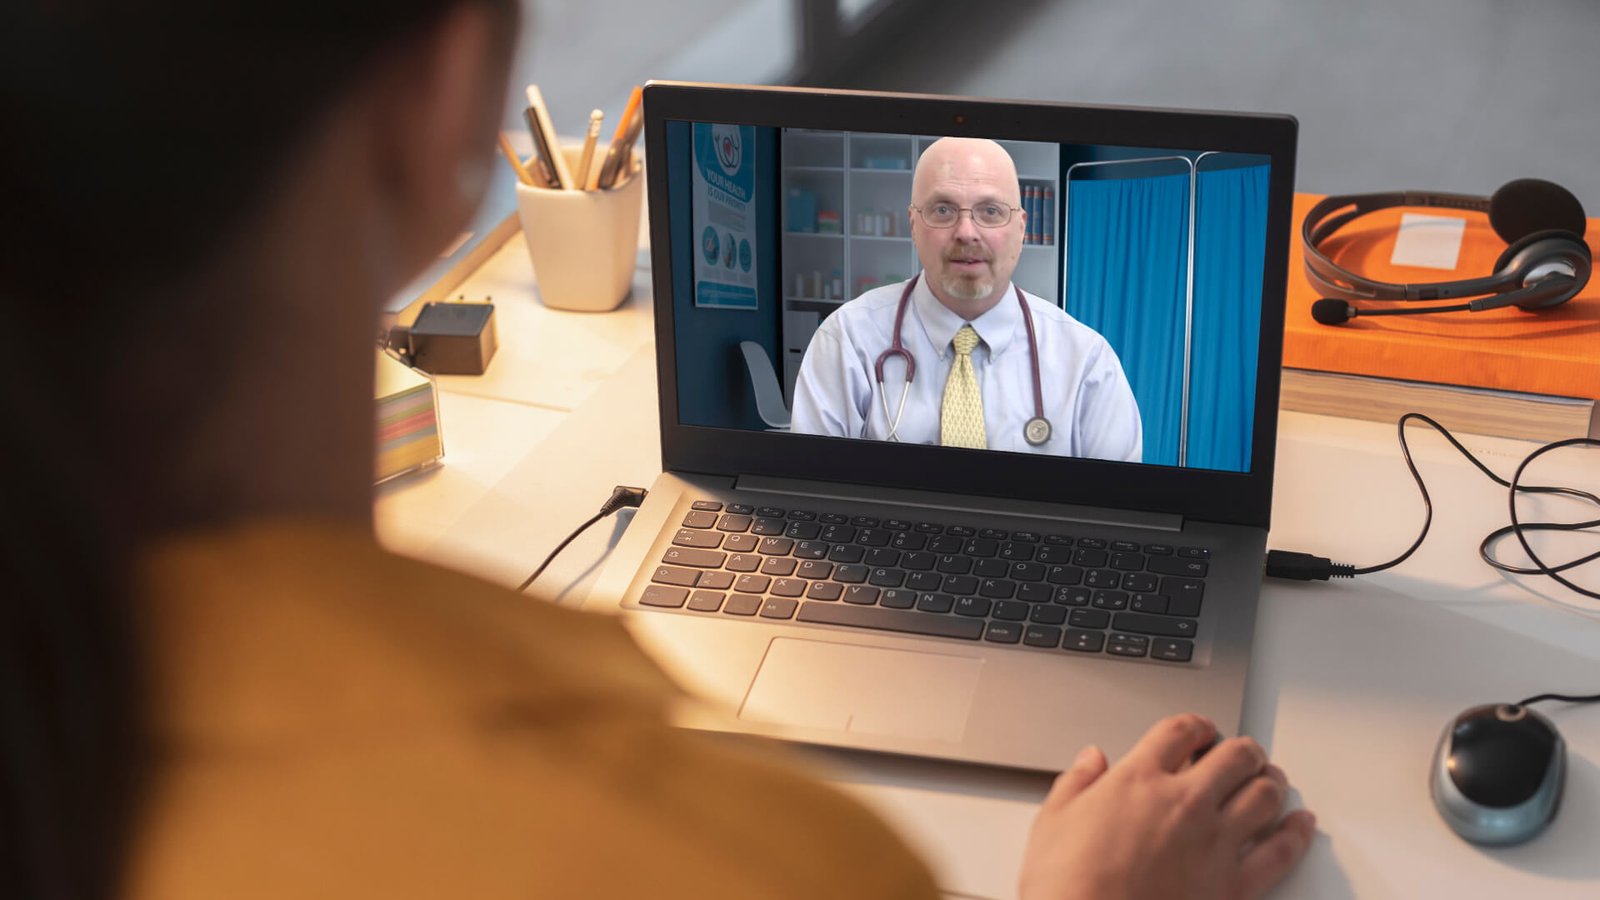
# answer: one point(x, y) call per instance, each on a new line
point(1243, 498)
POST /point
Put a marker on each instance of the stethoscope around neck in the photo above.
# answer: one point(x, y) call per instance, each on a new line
point(1037, 430)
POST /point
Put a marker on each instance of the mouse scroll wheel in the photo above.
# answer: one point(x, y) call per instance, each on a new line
point(1510, 712)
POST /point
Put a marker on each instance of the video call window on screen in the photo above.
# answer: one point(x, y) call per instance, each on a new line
point(1154, 253)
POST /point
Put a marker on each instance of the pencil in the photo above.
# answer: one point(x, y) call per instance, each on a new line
point(511, 157)
point(621, 140)
point(587, 158)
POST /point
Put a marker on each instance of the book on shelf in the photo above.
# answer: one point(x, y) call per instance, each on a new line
point(1502, 372)
point(409, 437)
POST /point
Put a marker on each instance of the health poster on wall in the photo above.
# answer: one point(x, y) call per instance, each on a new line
point(724, 216)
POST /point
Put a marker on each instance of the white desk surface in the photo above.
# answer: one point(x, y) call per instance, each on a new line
point(1351, 683)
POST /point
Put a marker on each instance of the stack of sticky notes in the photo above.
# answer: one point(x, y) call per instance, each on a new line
point(408, 419)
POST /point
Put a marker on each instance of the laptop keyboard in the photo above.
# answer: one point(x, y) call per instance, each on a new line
point(1073, 592)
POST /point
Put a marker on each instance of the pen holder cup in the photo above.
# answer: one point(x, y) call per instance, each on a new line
point(584, 244)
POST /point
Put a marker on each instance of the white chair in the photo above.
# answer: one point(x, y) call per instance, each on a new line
point(764, 380)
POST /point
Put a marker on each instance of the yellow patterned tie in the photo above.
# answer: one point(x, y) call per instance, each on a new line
point(961, 419)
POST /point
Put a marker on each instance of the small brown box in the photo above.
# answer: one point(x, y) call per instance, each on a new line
point(453, 338)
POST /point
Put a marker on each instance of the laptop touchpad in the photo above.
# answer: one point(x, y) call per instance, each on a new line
point(869, 690)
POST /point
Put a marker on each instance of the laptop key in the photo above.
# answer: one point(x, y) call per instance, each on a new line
point(1026, 571)
point(776, 546)
point(1102, 578)
point(897, 524)
point(1017, 551)
point(1089, 618)
point(752, 584)
point(833, 519)
point(1139, 582)
point(887, 577)
point(997, 589)
point(1092, 543)
point(689, 537)
point(994, 534)
point(1083, 641)
point(1125, 546)
point(1035, 593)
point(715, 581)
point(898, 598)
point(1025, 537)
point(802, 530)
point(743, 562)
point(825, 590)
point(699, 559)
point(935, 603)
point(846, 553)
point(675, 576)
point(874, 537)
point(1003, 632)
point(1127, 562)
point(1058, 540)
point(1042, 636)
point(788, 588)
point(991, 568)
point(706, 601)
point(811, 550)
point(924, 581)
point(742, 605)
point(731, 522)
point(1010, 610)
point(1089, 558)
point(1127, 645)
point(959, 584)
point(1048, 615)
point(1164, 626)
point(707, 505)
point(768, 526)
point(1111, 599)
point(1171, 650)
point(778, 608)
point(961, 531)
point(1064, 575)
point(981, 547)
point(1189, 568)
point(954, 565)
point(891, 620)
point(1072, 596)
point(772, 512)
point(864, 521)
point(815, 569)
point(850, 574)
point(802, 515)
point(973, 606)
point(919, 561)
point(740, 543)
point(1148, 603)
point(1194, 553)
point(667, 597)
point(743, 509)
point(1184, 595)
point(909, 540)
point(1158, 549)
point(838, 534)
point(929, 528)
point(945, 543)
point(780, 566)
point(700, 519)
point(1053, 555)
point(882, 558)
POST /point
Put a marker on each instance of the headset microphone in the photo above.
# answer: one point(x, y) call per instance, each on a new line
point(1331, 311)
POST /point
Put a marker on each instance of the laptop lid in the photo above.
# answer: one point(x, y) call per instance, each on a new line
point(1165, 231)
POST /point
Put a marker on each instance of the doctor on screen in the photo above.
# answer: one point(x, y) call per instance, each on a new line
point(958, 355)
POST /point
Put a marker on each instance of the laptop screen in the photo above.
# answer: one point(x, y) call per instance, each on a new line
point(829, 271)
point(1004, 299)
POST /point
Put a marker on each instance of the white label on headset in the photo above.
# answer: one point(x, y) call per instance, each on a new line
point(1428, 242)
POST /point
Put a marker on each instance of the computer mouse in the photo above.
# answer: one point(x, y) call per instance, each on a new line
point(1498, 773)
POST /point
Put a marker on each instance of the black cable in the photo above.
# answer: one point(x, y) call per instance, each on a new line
point(1567, 698)
point(621, 496)
point(1305, 567)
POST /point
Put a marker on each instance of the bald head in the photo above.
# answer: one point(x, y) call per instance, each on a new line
point(967, 266)
point(959, 158)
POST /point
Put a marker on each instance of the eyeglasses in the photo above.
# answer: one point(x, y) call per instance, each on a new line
point(946, 215)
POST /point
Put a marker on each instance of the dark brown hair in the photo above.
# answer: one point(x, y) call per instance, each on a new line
point(124, 132)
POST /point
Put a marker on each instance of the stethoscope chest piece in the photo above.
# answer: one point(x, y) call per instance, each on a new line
point(1037, 431)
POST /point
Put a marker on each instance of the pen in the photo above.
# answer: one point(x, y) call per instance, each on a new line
point(511, 157)
point(544, 137)
point(587, 158)
point(621, 140)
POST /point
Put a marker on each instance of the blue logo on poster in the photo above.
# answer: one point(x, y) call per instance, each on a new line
point(721, 151)
point(744, 255)
point(710, 246)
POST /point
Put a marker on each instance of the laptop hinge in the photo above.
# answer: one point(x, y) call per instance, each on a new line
point(1058, 512)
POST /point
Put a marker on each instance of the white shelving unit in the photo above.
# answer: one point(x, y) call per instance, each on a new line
point(847, 229)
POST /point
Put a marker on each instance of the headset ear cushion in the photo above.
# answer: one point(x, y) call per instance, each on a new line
point(1529, 205)
point(1546, 248)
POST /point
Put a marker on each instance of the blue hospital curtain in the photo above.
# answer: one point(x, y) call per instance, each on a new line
point(1127, 260)
point(1230, 248)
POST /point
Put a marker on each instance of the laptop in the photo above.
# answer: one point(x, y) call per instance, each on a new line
point(1000, 606)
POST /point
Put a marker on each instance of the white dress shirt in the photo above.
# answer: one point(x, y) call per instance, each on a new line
point(1087, 399)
